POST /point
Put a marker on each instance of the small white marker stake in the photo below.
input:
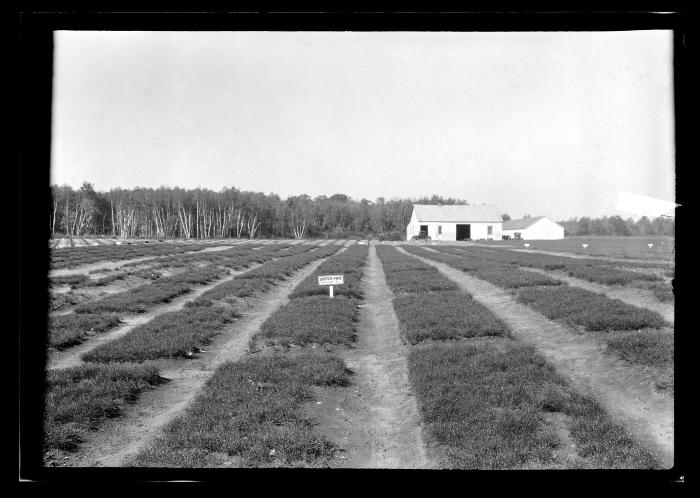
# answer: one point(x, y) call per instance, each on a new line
point(330, 290)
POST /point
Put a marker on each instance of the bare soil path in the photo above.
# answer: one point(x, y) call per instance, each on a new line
point(630, 295)
point(121, 438)
point(375, 419)
point(627, 392)
point(71, 357)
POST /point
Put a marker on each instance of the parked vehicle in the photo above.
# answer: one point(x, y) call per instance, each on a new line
point(422, 235)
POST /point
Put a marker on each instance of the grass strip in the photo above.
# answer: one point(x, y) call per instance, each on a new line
point(445, 315)
point(72, 280)
point(405, 274)
point(252, 411)
point(349, 263)
point(136, 300)
point(79, 256)
point(514, 278)
point(485, 405)
point(179, 333)
point(284, 267)
point(169, 335)
point(594, 312)
point(261, 279)
point(312, 319)
point(71, 329)
point(79, 399)
point(593, 271)
point(646, 347)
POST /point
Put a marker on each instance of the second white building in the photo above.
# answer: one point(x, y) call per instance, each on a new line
point(536, 228)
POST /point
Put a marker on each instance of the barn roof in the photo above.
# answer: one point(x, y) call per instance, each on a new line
point(457, 213)
point(521, 223)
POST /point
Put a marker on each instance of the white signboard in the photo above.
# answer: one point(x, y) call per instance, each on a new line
point(330, 279)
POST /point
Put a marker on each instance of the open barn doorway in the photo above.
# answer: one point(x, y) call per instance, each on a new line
point(464, 232)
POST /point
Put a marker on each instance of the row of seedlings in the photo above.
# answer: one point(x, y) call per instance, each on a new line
point(251, 412)
point(82, 287)
point(79, 399)
point(487, 401)
point(182, 333)
point(72, 257)
point(97, 316)
point(637, 335)
point(648, 276)
point(617, 247)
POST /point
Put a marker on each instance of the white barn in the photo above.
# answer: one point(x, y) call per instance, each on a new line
point(455, 222)
point(537, 228)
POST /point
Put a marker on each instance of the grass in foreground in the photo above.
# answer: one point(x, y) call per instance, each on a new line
point(71, 329)
point(79, 399)
point(595, 312)
point(445, 315)
point(646, 347)
point(485, 404)
point(251, 409)
point(651, 348)
point(136, 300)
point(169, 335)
point(312, 319)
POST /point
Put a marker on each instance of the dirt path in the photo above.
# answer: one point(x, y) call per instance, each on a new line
point(636, 297)
point(120, 439)
point(627, 392)
point(71, 357)
point(375, 420)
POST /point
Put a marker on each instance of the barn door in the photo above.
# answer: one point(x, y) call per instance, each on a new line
point(464, 232)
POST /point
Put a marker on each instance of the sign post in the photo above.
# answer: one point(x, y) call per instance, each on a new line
point(330, 280)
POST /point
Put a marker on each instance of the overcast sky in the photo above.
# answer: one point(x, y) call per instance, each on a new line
point(551, 124)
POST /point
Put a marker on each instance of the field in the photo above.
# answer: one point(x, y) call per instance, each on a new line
point(229, 354)
point(618, 247)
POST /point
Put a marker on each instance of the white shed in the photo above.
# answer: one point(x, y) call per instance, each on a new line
point(537, 228)
point(455, 222)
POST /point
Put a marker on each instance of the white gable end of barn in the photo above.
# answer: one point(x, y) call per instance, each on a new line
point(539, 228)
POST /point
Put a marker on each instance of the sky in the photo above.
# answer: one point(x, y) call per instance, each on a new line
point(539, 123)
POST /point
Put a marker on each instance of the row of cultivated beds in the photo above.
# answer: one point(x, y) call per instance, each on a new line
point(488, 401)
point(637, 335)
point(79, 399)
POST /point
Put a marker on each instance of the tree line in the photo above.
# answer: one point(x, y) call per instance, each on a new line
point(172, 212)
point(615, 225)
point(202, 213)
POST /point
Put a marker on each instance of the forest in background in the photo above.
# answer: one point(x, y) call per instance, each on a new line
point(171, 212)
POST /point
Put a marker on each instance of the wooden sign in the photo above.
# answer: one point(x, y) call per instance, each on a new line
point(330, 280)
